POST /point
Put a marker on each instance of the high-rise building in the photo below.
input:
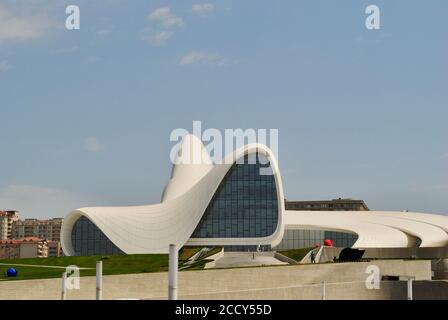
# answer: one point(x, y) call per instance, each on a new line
point(43, 229)
point(7, 218)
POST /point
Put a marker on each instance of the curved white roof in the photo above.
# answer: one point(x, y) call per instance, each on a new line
point(375, 229)
point(192, 163)
point(152, 228)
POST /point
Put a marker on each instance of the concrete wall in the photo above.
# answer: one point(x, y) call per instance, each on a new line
point(345, 281)
point(406, 253)
point(389, 290)
point(439, 257)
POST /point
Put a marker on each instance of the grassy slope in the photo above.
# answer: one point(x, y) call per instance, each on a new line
point(296, 254)
point(111, 265)
point(125, 264)
point(200, 264)
point(188, 252)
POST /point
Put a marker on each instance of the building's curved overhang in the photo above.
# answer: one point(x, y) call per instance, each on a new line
point(375, 229)
point(152, 228)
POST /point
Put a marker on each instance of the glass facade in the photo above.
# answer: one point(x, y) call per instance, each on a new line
point(250, 248)
point(245, 204)
point(296, 239)
point(341, 239)
point(88, 240)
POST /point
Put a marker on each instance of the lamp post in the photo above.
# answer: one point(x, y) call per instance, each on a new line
point(99, 280)
point(410, 295)
point(172, 273)
point(64, 287)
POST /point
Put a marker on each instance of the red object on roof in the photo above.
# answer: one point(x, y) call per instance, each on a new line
point(328, 243)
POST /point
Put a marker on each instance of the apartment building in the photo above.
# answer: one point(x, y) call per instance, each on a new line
point(44, 229)
point(54, 249)
point(30, 247)
point(7, 219)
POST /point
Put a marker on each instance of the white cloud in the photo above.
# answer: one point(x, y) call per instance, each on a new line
point(18, 26)
point(38, 201)
point(203, 8)
point(204, 58)
point(92, 144)
point(157, 38)
point(103, 32)
point(4, 65)
point(166, 18)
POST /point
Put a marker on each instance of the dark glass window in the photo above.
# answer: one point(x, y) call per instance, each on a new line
point(245, 204)
point(341, 239)
point(89, 240)
point(295, 239)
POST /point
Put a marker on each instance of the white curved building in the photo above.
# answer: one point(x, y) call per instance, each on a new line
point(232, 204)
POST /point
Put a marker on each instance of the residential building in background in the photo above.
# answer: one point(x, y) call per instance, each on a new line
point(29, 238)
point(9, 249)
point(7, 218)
point(43, 229)
point(30, 247)
point(327, 205)
point(54, 249)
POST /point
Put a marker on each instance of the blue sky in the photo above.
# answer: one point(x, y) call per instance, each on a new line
point(86, 115)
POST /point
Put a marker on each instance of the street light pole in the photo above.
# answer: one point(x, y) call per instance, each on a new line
point(172, 273)
point(99, 280)
point(64, 287)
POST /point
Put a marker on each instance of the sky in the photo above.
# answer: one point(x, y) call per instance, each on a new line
point(87, 114)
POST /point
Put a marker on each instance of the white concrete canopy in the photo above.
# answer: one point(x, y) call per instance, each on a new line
point(375, 229)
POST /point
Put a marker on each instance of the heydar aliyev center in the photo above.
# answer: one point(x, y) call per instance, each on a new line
point(233, 205)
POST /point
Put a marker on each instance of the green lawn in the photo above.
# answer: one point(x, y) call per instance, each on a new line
point(296, 254)
point(123, 264)
point(111, 265)
point(200, 264)
point(187, 252)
